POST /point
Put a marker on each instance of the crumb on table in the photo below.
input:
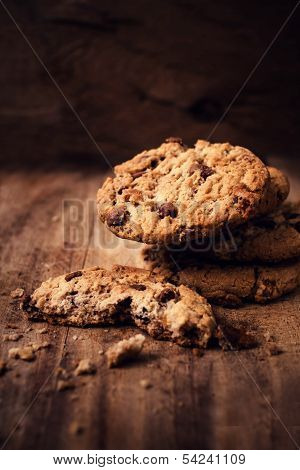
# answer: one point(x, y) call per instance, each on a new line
point(125, 350)
point(85, 367)
point(145, 383)
point(27, 353)
point(17, 293)
point(12, 337)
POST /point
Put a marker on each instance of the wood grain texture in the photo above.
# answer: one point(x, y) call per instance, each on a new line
point(237, 400)
point(139, 71)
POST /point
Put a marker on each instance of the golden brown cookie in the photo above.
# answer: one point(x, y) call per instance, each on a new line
point(97, 297)
point(173, 193)
point(225, 284)
point(268, 239)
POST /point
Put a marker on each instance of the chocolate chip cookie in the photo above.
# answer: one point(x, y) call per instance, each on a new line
point(272, 238)
point(268, 239)
point(173, 193)
point(97, 297)
point(225, 284)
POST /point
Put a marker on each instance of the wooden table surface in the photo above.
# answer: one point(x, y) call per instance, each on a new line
point(238, 400)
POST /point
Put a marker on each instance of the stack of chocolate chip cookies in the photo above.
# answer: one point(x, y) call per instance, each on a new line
point(215, 227)
point(215, 218)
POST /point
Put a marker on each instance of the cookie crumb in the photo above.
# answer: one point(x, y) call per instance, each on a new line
point(64, 385)
point(26, 353)
point(101, 352)
point(12, 337)
point(28, 329)
point(62, 373)
point(85, 367)
point(17, 293)
point(38, 346)
point(125, 350)
point(145, 383)
point(75, 338)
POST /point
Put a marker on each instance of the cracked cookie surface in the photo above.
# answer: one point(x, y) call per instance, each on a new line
point(97, 296)
point(225, 284)
point(173, 193)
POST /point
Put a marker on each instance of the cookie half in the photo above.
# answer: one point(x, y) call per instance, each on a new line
point(226, 284)
point(97, 297)
point(173, 193)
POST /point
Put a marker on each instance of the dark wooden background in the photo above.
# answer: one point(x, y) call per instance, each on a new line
point(137, 71)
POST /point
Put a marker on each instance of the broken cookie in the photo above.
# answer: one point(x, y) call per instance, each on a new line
point(101, 297)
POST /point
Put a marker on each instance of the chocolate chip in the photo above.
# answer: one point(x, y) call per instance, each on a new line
point(71, 276)
point(206, 171)
point(116, 217)
point(166, 294)
point(153, 164)
point(138, 287)
point(167, 209)
point(73, 292)
point(243, 202)
point(143, 319)
point(269, 288)
point(175, 140)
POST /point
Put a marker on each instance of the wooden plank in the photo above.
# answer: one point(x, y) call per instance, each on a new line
point(32, 249)
point(220, 400)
